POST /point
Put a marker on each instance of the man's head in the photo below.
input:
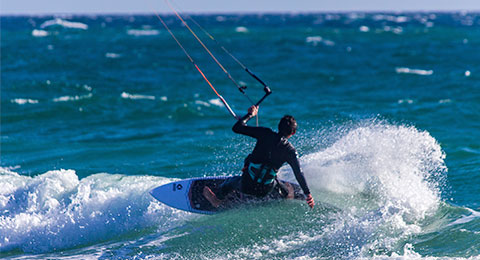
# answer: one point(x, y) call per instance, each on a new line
point(287, 126)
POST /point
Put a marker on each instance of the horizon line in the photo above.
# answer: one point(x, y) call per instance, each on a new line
point(239, 12)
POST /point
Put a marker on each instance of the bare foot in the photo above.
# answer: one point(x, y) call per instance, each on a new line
point(211, 197)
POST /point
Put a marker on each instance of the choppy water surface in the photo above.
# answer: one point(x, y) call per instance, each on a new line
point(97, 110)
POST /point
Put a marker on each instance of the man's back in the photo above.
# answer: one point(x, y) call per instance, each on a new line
point(272, 150)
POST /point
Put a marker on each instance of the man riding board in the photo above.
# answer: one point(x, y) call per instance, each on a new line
point(271, 151)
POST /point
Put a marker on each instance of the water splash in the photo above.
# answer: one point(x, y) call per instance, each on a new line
point(385, 179)
point(56, 210)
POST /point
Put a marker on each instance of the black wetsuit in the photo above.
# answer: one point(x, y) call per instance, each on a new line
point(270, 153)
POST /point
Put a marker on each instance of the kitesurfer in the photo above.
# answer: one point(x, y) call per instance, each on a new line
point(271, 151)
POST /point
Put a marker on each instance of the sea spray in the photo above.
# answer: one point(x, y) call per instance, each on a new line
point(375, 187)
point(386, 178)
point(56, 210)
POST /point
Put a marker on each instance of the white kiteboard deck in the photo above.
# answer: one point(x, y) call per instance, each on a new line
point(188, 195)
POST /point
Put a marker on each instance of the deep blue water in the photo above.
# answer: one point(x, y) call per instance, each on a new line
point(97, 110)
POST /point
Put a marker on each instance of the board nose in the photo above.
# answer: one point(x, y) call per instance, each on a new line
point(174, 194)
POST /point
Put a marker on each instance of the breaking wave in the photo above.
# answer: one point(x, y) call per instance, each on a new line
point(64, 24)
point(57, 210)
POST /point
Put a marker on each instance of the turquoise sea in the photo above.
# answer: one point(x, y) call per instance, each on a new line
point(96, 110)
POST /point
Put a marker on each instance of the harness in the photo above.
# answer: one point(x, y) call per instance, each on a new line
point(263, 173)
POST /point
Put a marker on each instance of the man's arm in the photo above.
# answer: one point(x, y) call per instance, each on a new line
point(293, 162)
point(241, 126)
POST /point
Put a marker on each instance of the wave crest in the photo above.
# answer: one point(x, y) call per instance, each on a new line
point(64, 23)
point(57, 210)
point(385, 179)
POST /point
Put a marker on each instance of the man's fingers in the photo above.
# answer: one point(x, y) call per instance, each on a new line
point(310, 201)
point(253, 110)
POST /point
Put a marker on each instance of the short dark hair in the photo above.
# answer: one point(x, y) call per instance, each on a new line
point(287, 125)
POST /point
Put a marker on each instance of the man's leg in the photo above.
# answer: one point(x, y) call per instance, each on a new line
point(228, 186)
point(225, 188)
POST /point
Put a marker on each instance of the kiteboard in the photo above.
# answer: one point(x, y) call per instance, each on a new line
point(188, 195)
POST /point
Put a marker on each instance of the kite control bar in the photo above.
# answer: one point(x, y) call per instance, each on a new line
point(267, 93)
point(265, 87)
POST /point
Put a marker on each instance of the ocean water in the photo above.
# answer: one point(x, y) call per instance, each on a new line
point(98, 110)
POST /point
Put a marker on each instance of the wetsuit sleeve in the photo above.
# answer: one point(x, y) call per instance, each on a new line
point(292, 160)
point(241, 128)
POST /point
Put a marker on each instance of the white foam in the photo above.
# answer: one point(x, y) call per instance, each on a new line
point(112, 55)
point(390, 18)
point(466, 218)
point(328, 42)
point(398, 30)
point(384, 177)
point(64, 23)
point(273, 247)
point(405, 101)
point(405, 70)
point(364, 28)
point(401, 19)
point(23, 101)
point(395, 164)
point(241, 29)
point(333, 17)
point(202, 103)
point(126, 95)
point(315, 40)
point(378, 17)
point(355, 16)
point(216, 102)
point(56, 210)
point(72, 98)
point(87, 87)
point(408, 254)
point(143, 32)
point(39, 33)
